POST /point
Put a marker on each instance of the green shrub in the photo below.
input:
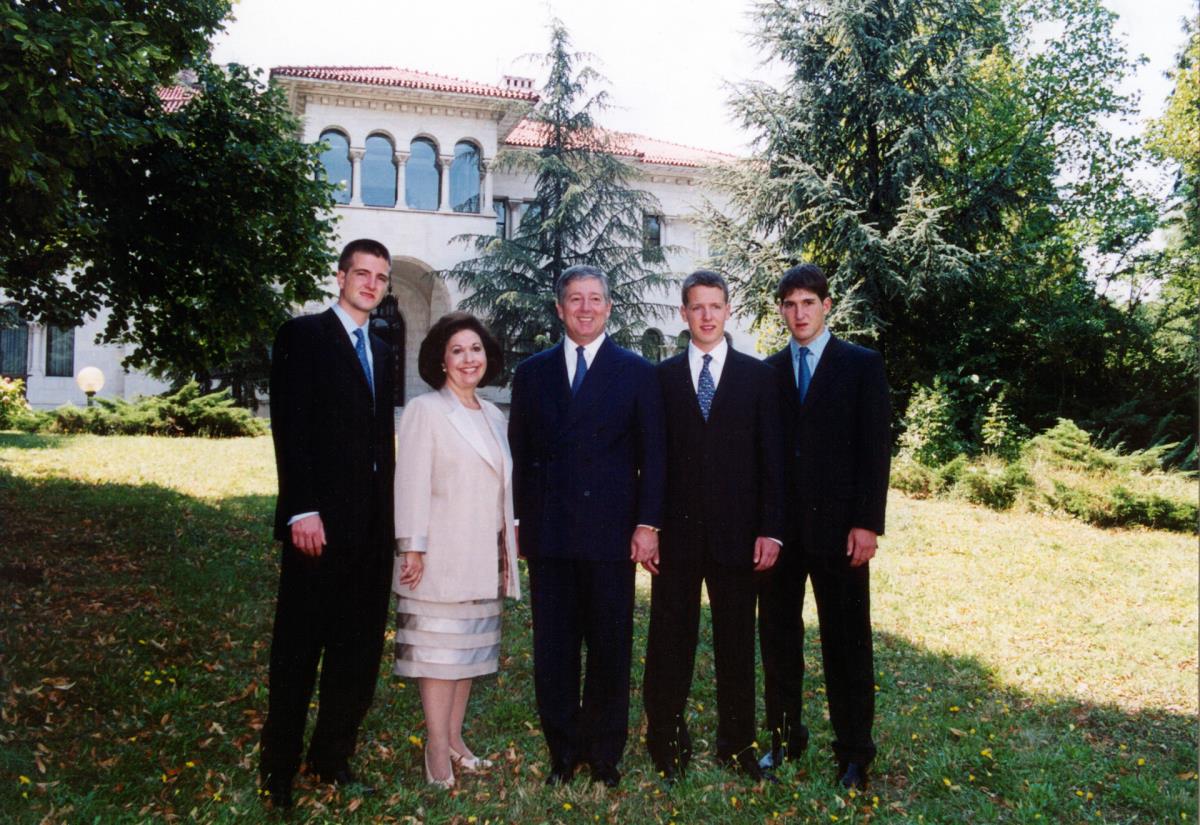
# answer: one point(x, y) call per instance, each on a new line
point(1000, 432)
point(913, 478)
point(992, 483)
point(930, 426)
point(185, 412)
point(12, 402)
point(1119, 506)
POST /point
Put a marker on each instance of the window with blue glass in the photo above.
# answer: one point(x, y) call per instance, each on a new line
point(379, 172)
point(464, 178)
point(14, 343)
point(500, 207)
point(336, 160)
point(421, 179)
point(60, 351)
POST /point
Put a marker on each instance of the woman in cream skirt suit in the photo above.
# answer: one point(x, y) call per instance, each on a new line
point(454, 531)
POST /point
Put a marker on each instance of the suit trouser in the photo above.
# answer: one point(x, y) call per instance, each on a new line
point(335, 605)
point(578, 603)
point(844, 613)
point(671, 654)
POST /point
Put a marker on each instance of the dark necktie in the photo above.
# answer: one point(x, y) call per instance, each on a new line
point(705, 388)
point(580, 371)
point(360, 348)
point(803, 376)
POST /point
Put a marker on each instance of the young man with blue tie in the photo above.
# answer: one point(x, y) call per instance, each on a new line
point(334, 432)
point(722, 525)
point(836, 419)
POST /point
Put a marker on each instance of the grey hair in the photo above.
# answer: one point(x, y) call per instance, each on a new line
point(578, 272)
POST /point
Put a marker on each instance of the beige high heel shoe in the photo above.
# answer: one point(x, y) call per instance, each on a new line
point(469, 763)
point(447, 783)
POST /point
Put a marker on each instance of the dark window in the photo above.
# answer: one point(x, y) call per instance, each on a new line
point(336, 160)
point(654, 346)
point(500, 207)
point(682, 340)
point(464, 178)
point(379, 172)
point(531, 214)
point(388, 324)
point(14, 344)
point(421, 179)
point(60, 352)
point(652, 236)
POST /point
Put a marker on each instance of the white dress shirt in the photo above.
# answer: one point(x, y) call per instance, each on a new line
point(696, 362)
point(589, 354)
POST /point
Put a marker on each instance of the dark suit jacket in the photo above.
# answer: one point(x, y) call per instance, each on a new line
point(586, 469)
point(334, 446)
point(838, 445)
point(724, 476)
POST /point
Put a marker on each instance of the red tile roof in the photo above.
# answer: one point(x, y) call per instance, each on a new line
point(639, 147)
point(405, 78)
point(173, 97)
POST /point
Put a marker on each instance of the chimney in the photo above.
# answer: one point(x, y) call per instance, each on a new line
point(518, 84)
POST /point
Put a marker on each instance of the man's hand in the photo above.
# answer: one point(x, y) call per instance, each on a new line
point(860, 546)
point(308, 535)
point(643, 549)
point(766, 551)
point(411, 570)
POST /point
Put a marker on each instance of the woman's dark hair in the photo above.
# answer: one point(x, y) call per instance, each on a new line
point(433, 348)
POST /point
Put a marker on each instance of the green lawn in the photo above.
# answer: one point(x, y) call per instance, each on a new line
point(1030, 669)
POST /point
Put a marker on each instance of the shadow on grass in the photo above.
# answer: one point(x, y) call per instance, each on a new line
point(32, 441)
point(133, 671)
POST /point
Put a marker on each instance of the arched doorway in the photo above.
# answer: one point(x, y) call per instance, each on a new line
point(388, 324)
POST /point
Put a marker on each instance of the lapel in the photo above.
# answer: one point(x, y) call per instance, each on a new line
point(731, 375)
point(378, 362)
point(595, 382)
point(679, 377)
point(344, 349)
point(823, 378)
point(460, 418)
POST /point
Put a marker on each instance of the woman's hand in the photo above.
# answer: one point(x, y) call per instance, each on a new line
point(414, 566)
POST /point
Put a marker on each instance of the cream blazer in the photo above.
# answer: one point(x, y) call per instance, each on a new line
point(446, 484)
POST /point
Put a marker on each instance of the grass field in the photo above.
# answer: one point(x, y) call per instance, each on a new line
point(1030, 670)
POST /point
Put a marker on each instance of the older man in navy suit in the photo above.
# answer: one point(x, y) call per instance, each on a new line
point(586, 431)
point(836, 420)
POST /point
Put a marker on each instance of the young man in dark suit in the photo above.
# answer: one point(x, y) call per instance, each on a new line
point(723, 522)
point(836, 421)
point(586, 431)
point(333, 426)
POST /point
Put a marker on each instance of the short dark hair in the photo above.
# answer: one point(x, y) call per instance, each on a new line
point(365, 245)
point(804, 276)
point(433, 348)
point(704, 277)
point(577, 272)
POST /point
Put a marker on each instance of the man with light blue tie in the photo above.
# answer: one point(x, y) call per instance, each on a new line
point(333, 427)
point(836, 415)
point(586, 431)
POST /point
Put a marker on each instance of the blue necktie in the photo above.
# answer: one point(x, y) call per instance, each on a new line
point(803, 376)
point(705, 388)
point(360, 348)
point(580, 371)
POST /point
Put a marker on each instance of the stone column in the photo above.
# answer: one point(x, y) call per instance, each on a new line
point(444, 162)
point(401, 160)
point(356, 156)
point(485, 167)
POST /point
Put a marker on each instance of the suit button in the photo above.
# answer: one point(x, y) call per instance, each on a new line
point(587, 493)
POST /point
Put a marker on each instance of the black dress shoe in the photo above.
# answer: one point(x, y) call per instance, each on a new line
point(608, 774)
point(561, 773)
point(347, 779)
point(852, 775)
point(747, 766)
point(277, 791)
point(668, 775)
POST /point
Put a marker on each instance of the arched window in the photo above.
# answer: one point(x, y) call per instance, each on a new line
point(682, 340)
point(653, 345)
point(379, 172)
point(464, 178)
point(421, 180)
point(336, 160)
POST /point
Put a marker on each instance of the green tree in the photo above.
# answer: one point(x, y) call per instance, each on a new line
point(197, 229)
point(586, 210)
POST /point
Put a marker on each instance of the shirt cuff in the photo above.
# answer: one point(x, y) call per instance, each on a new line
point(777, 541)
point(299, 516)
point(651, 527)
point(412, 544)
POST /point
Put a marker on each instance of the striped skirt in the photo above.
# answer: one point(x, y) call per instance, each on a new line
point(447, 640)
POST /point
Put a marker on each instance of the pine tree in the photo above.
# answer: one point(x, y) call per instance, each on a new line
point(586, 211)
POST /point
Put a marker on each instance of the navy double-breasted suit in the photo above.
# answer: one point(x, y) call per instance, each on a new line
point(587, 469)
